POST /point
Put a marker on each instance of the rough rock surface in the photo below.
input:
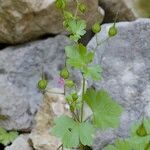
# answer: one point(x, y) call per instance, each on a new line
point(24, 20)
point(125, 10)
point(125, 60)
point(140, 8)
point(20, 70)
point(116, 9)
point(53, 105)
point(21, 143)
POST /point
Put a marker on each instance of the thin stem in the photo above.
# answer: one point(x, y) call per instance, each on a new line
point(82, 105)
point(81, 147)
point(60, 147)
point(77, 8)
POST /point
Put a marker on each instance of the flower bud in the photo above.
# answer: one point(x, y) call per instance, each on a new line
point(96, 28)
point(74, 96)
point(112, 31)
point(82, 7)
point(42, 84)
point(69, 83)
point(64, 73)
point(141, 131)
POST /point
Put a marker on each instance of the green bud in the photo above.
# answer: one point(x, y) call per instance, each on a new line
point(112, 31)
point(96, 27)
point(141, 131)
point(71, 108)
point(42, 84)
point(69, 83)
point(74, 96)
point(60, 4)
point(82, 7)
point(64, 73)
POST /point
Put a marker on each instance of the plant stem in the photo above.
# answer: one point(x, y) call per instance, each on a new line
point(81, 147)
point(82, 105)
point(76, 12)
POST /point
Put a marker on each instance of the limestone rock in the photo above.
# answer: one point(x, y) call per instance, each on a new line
point(125, 60)
point(21, 143)
point(41, 137)
point(24, 20)
point(20, 70)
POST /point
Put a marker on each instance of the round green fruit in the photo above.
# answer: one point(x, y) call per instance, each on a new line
point(74, 96)
point(141, 131)
point(42, 84)
point(64, 73)
point(69, 83)
point(82, 8)
point(96, 27)
point(112, 31)
point(71, 108)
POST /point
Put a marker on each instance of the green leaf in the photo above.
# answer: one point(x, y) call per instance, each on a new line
point(76, 28)
point(72, 133)
point(7, 137)
point(78, 56)
point(93, 71)
point(106, 112)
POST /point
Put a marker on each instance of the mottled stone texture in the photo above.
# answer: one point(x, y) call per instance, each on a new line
point(125, 10)
point(116, 9)
point(20, 70)
point(20, 143)
point(24, 20)
point(125, 60)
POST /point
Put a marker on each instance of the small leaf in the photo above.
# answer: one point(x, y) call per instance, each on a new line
point(78, 56)
point(93, 71)
point(7, 137)
point(76, 28)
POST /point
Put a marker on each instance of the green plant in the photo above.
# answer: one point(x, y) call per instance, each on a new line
point(77, 131)
point(139, 140)
point(7, 137)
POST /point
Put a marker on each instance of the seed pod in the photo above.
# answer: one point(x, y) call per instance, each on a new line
point(96, 28)
point(74, 96)
point(69, 83)
point(42, 84)
point(141, 131)
point(64, 73)
point(112, 31)
point(82, 7)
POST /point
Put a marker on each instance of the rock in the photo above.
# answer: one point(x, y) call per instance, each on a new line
point(125, 60)
point(116, 9)
point(24, 20)
point(140, 8)
point(20, 70)
point(127, 10)
point(41, 137)
point(20, 142)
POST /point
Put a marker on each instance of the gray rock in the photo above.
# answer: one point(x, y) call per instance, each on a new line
point(20, 70)
point(125, 60)
point(20, 143)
